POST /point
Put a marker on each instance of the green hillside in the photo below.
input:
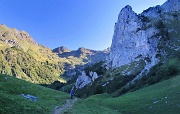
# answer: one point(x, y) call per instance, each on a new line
point(161, 98)
point(22, 65)
point(13, 103)
point(22, 57)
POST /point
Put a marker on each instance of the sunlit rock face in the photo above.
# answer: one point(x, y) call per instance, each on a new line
point(131, 40)
point(145, 36)
point(83, 79)
point(142, 36)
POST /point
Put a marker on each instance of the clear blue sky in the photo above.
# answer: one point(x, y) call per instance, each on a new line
point(69, 23)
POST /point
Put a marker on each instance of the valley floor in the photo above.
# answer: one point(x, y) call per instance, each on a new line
point(161, 98)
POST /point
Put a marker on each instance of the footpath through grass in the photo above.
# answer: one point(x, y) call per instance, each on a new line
point(161, 98)
point(88, 107)
point(12, 103)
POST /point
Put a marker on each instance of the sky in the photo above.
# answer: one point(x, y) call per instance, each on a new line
point(69, 23)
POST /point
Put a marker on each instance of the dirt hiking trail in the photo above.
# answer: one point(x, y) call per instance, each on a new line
point(68, 104)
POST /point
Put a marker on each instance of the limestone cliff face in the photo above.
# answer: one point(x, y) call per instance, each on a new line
point(130, 40)
point(148, 36)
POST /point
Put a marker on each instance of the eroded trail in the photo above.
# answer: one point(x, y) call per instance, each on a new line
point(68, 104)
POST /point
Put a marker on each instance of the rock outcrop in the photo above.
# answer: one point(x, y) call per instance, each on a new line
point(171, 5)
point(61, 50)
point(144, 36)
point(83, 79)
point(130, 40)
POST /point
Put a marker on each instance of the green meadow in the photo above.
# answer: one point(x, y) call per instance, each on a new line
point(13, 103)
point(160, 98)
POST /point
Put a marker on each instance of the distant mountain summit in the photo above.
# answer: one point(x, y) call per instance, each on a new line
point(61, 50)
point(86, 55)
point(77, 59)
point(22, 57)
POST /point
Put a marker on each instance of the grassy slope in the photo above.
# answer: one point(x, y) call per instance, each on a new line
point(87, 106)
point(28, 45)
point(12, 102)
point(161, 98)
point(26, 59)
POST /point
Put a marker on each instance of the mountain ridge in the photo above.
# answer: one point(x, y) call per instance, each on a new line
point(24, 58)
point(82, 57)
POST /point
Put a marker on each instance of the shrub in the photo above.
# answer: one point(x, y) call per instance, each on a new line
point(56, 85)
point(98, 89)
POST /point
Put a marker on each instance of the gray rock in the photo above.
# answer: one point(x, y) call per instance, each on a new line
point(83, 79)
point(171, 6)
point(140, 37)
point(30, 97)
point(131, 40)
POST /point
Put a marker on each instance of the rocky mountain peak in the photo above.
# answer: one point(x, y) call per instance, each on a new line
point(144, 38)
point(13, 37)
point(127, 17)
point(152, 12)
point(128, 38)
point(127, 8)
point(82, 50)
point(61, 50)
point(157, 11)
point(171, 5)
point(127, 14)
